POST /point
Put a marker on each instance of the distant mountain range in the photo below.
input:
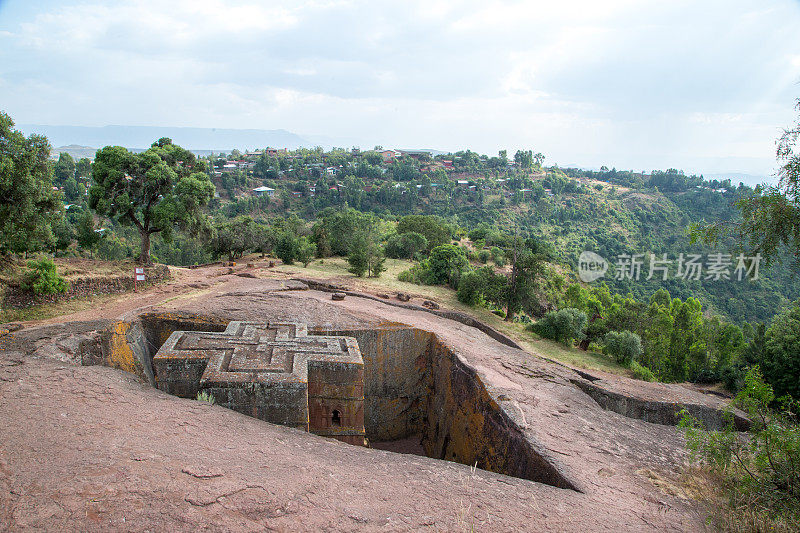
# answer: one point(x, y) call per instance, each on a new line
point(195, 139)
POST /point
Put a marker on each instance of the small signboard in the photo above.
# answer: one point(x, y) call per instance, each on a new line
point(138, 275)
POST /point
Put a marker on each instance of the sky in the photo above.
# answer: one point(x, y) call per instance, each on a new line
point(702, 85)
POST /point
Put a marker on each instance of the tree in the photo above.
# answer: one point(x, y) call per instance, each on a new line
point(781, 364)
point(406, 245)
point(339, 227)
point(358, 258)
point(770, 219)
point(434, 228)
point(286, 247)
point(73, 191)
point(469, 288)
point(155, 190)
point(446, 263)
point(86, 235)
point(306, 251)
point(564, 325)
point(83, 168)
point(233, 237)
point(28, 203)
point(526, 264)
point(64, 233)
point(365, 257)
point(524, 158)
point(64, 168)
point(625, 346)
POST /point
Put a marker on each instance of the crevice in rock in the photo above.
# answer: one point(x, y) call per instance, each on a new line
point(656, 412)
point(415, 387)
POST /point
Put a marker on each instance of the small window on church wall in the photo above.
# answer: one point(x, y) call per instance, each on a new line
point(336, 418)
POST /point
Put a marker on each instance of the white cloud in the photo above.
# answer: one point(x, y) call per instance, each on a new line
point(622, 82)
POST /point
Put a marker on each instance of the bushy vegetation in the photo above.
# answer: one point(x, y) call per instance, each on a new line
point(41, 277)
point(624, 345)
point(564, 326)
point(760, 473)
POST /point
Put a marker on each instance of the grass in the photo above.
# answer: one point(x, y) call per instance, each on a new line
point(50, 310)
point(70, 268)
point(335, 268)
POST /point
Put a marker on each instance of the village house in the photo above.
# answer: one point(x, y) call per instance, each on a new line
point(264, 191)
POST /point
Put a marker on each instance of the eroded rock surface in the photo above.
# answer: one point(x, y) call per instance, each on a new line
point(93, 448)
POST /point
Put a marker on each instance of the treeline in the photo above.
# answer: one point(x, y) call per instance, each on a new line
point(670, 339)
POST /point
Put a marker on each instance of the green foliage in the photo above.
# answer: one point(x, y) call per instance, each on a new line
point(29, 205)
point(365, 257)
point(114, 248)
point(433, 228)
point(445, 264)
point(336, 229)
point(86, 235)
point(64, 168)
point(564, 326)
point(306, 251)
point(624, 346)
point(642, 372)
point(358, 259)
point(498, 256)
point(156, 190)
point(762, 472)
point(406, 245)
point(234, 237)
point(469, 288)
point(781, 355)
point(205, 396)
point(287, 246)
point(41, 277)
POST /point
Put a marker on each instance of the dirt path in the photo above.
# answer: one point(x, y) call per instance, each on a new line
point(199, 281)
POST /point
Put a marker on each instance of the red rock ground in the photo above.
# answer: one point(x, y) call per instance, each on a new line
point(91, 448)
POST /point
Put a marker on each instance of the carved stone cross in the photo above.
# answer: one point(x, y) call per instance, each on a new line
point(273, 371)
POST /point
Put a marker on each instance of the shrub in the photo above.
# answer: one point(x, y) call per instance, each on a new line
point(484, 256)
point(42, 278)
point(564, 326)
point(624, 345)
point(306, 251)
point(469, 288)
point(642, 372)
point(405, 245)
point(286, 248)
point(445, 265)
point(415, 274)
point(498, 256)
point(358, 261)
point(762, 473)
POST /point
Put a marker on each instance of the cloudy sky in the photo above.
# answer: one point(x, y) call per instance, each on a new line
point(704, 85)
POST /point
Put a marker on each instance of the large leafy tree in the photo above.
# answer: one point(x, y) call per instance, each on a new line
point(28, 203)
point(64, 168)
point(156, 190)
point(781, 360)
point(434, 228)
point(527, 263)
point(234, 237)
